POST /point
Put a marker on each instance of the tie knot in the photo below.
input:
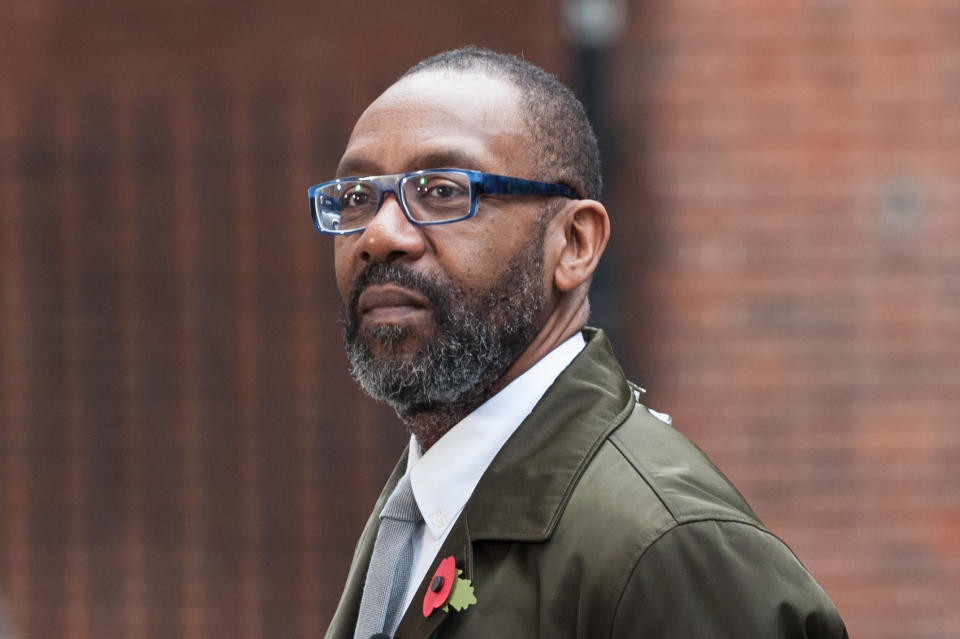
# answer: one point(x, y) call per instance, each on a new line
point(402, 506)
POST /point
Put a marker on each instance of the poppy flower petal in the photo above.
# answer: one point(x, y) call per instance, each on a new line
point(440, 586)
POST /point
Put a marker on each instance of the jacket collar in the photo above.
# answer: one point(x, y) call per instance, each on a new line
point(551, 448)
point(545, 456)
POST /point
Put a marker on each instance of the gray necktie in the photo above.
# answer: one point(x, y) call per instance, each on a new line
point(390, 564)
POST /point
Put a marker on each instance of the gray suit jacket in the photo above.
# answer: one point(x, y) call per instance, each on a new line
point(598, 520)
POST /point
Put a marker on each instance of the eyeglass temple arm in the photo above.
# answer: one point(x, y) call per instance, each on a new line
point(502, 185)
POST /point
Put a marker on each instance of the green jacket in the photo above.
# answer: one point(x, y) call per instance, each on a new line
point(598, 520)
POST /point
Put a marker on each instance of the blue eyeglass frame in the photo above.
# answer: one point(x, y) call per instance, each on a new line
point(480, 184)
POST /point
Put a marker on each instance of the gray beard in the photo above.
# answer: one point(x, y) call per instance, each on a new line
point(478, 334)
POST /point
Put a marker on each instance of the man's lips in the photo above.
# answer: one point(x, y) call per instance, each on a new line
point(389, 303)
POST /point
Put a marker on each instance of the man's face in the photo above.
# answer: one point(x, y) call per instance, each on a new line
point(435, 315)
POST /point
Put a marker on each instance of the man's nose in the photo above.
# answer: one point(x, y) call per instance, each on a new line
point(390, 235)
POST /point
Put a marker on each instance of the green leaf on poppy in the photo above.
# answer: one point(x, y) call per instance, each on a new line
point(462, 594)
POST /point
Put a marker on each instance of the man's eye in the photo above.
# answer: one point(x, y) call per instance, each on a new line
point(355, 198)
point(440, 190)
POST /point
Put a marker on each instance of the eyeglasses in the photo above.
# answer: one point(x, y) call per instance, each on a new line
point(432, 196)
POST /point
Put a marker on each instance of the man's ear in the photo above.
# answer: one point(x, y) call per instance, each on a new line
point(586, 229)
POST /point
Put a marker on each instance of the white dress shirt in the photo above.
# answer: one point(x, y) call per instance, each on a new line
point(444, 477)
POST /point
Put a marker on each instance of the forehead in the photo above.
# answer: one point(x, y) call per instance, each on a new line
point(440, 118)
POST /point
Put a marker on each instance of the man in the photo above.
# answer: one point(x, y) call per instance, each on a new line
point(553, 504)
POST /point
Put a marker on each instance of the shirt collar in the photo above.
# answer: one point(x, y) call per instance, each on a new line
point(444, 477)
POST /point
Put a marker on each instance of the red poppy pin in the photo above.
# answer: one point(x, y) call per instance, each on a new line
point(447, 589)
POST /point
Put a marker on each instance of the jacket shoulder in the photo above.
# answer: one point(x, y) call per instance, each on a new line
point(644, 480)
point(688, 485)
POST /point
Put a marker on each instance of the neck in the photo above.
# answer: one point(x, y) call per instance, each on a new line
point(428, 426)
point(429, 423)
point(569, 317)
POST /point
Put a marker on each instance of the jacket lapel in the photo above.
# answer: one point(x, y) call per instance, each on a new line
point(457, 544)
point(551, 448)
point(546, 456)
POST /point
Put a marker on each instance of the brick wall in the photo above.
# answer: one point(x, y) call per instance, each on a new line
point(181, 450)
point(804, 297)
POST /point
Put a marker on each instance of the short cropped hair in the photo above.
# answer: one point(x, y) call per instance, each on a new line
point(564, 144)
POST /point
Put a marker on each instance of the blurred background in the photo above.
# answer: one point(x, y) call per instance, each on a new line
point(182, 452)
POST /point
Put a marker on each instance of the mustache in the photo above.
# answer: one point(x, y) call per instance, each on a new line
point(386, 273)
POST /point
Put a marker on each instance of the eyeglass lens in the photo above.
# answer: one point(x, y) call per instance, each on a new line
point(429, 197)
